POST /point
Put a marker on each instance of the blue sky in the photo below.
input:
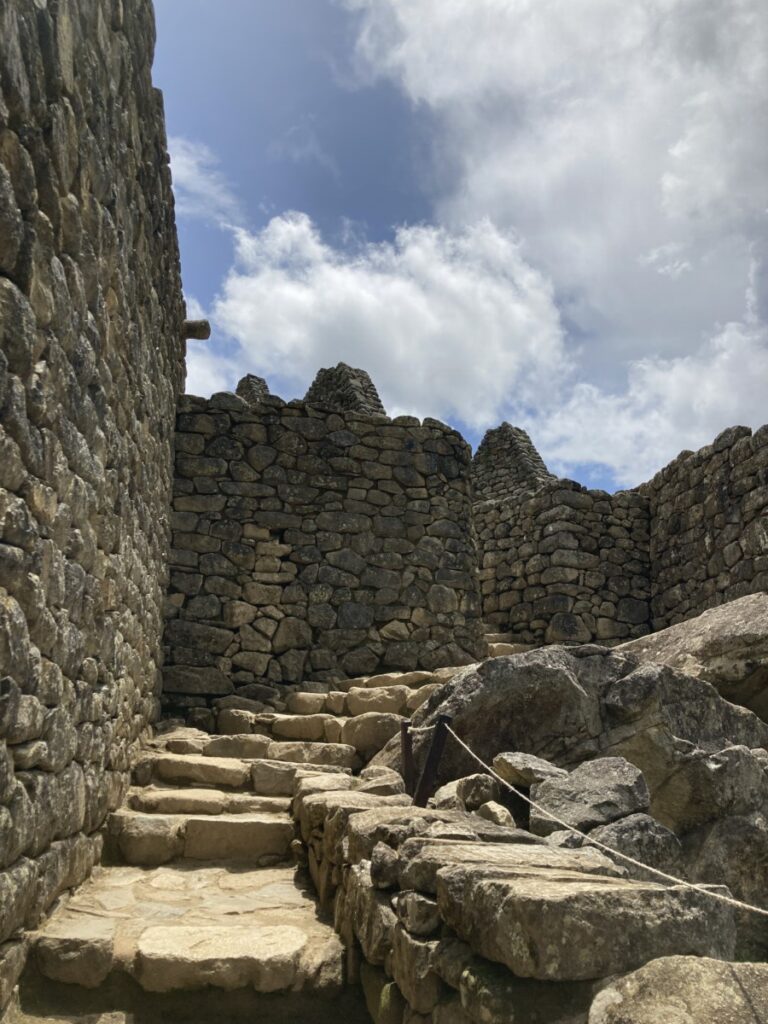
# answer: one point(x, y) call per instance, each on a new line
point(551, 214)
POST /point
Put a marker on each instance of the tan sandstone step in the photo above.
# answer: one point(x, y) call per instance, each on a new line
point(500, 649)
point(254, 933)
point(237, 773)
point(499, 638)
point(150, 839)
point(188, 800)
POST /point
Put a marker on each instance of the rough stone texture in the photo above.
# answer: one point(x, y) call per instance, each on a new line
point(556, 928)
point(685, 990)
point(709, 526)
point(560, 563)
point(344, 387)
point(564, 564)
point(596, 793)
point(642, 837)
point(252, 389)
point(569, 705)
point(460, 921)
point(314, 544)
point(188, 927)
point(727, 646)
point(91, 364)
point(506, 464)
point(524, 770)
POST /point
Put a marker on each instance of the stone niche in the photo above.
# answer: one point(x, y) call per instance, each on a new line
point(91, 365)
point(315, 542)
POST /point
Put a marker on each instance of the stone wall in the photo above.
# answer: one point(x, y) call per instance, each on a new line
point(91, 363)
point(506, 466)
point(565, 564)
point(560, 563)
point(709, 526)
point(313, 543)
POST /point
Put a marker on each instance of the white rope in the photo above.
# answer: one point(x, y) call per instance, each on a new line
point(596, 842)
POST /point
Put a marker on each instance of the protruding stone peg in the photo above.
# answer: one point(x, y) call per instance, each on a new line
point(200, 330)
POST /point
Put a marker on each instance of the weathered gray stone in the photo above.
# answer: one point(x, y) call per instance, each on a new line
point(556, 928)
point(524, 770)
point(596, 793)
point(571, 705)
point(726, 646)
point(682, 989)
point(642, 837)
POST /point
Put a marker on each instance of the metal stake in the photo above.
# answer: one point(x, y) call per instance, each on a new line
point(427, 782)
point(406, 756)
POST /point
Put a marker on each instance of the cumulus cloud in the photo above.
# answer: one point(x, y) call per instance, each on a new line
point(200, 187)
point(596, 269)
point(667, 406)
point(449, 324)
point(461, 327)
point(602, 132)
point(207, 371)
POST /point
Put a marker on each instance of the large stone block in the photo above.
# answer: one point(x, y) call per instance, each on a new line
point(553, 927)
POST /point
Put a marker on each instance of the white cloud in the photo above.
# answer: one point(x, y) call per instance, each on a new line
point(461, 327)
point(195, 308)
point(208, 371)
point(668, 405)
point(447, 324)
point(200, 188)
point(600, 131)
point(586, 273)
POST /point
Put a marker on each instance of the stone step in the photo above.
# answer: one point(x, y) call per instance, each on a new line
point(500, 649)
point(190, 800)
point(499, 638)
point(134, 837)
point(131, 941)
point(358, 700)
point(237, 773)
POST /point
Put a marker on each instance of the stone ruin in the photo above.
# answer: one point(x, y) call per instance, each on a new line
point(560, 563)
point(342, 387)
point(316, 542)
point(252, 389)
point(217, 615)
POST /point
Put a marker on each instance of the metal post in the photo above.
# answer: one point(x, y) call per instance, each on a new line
point(406, 756)
point(427, 782)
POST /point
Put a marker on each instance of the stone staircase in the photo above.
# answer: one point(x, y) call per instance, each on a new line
point(199, 903)
point(197, 911)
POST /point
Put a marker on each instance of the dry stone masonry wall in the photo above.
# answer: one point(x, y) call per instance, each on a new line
point(560, 563)
point(91, 364)
point(709, 526)
point(507, 466)
point(344, 387)
point(314, 543)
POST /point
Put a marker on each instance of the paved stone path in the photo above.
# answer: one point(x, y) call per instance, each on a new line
point(197, 911)
point(201, 897)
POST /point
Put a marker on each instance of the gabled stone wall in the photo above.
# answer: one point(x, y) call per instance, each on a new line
point(91, 364)
point(565, 564)
point(507, 466)
point(709, 526)
point(313, 543)
point(560, 563)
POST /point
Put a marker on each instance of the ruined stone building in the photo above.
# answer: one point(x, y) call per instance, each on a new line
point(164, 554)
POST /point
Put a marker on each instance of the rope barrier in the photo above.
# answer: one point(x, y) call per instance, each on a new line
point(596, 842)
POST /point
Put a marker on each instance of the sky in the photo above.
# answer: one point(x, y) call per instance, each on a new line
point(550, 212)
